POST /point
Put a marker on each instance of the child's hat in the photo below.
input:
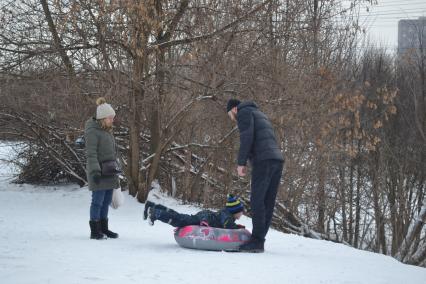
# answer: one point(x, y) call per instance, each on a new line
point(233, 204)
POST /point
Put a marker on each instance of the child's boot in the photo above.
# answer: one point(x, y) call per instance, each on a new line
point(148, 204)
point(151, 216)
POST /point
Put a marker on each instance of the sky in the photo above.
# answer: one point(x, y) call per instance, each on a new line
point(381, 21)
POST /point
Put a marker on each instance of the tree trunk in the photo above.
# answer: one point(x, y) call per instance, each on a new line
point(135, 98)
point(321, 195)
point(56, 39)
point(419, 256)
point(393, 211)
point(343, 203)
point(379, 221)
point(414, 229)
point(351, 203)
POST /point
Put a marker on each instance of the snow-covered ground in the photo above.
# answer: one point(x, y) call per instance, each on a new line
point(44, 238)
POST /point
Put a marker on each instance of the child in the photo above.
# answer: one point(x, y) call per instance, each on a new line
point(224, 218)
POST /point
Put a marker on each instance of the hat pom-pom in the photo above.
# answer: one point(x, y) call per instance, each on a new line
point(100, 101)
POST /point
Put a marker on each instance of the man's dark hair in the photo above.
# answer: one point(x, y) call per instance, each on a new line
point(231, 104)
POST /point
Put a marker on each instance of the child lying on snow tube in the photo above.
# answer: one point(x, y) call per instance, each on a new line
point(218, 231)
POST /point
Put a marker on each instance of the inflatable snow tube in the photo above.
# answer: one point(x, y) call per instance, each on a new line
point(209, 238)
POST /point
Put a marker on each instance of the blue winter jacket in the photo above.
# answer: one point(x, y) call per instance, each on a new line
point(221, 219)
point(257, 137)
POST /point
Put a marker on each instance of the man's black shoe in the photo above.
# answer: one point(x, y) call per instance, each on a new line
point(254, 246)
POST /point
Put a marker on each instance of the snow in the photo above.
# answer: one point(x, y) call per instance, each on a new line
point(44, 238)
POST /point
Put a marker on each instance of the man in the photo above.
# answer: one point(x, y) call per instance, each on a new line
point(259, 145)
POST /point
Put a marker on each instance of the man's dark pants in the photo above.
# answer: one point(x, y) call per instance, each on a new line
point(266, 176)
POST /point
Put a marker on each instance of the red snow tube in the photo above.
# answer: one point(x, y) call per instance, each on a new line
point(209, 238)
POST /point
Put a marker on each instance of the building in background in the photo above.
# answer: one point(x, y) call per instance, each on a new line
point(412, 36)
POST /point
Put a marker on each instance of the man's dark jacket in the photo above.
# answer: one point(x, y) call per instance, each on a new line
point(257, 137)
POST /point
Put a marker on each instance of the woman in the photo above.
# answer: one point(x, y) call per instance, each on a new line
point(101, 168)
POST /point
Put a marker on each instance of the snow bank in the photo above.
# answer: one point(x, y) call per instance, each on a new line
point(44, 238)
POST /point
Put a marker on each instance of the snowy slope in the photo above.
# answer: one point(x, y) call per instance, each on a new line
point(44, 238)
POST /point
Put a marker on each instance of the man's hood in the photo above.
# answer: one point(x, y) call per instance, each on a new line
point(247, 104)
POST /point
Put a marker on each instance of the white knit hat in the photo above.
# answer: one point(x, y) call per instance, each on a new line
point(103, 110)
